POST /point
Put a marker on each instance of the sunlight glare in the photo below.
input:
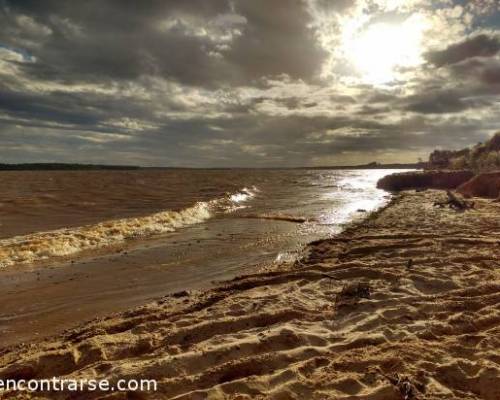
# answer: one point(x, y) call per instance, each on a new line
point(379, 49)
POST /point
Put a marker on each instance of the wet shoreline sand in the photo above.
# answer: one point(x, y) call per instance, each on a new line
point(43, 299)
point(403, 304)
point(54, 280)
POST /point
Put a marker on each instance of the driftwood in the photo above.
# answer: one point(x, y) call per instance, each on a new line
point(455, 203)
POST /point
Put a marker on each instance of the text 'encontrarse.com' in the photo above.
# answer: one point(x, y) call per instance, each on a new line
point(77, 385)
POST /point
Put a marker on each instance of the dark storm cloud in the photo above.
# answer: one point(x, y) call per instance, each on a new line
point(290, 134)
point(336, 6)
point(224, 83)
point(491, 75)
point(438, 102)
point(295, 103)
point(342, 99)
point(103, 40)
point(296, 139)
point(194, 42)
point(478, 46)
point(276, 40)
point(290, 145)
point(45, 108)
point(485, 71)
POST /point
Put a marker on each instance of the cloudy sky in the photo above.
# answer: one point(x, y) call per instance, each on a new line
point(246, 82)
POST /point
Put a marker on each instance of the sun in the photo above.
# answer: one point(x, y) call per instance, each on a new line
point(378, 50)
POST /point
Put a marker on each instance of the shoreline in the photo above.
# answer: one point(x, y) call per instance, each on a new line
point(423, 307)
point(67, 291)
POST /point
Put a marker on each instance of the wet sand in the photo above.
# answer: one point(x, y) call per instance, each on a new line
point(44, 299)
point(404, 305)
point(55, 280)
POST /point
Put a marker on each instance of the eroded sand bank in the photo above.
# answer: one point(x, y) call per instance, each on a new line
point(422, 321)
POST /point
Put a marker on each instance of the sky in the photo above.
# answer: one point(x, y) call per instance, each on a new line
point(246, 83)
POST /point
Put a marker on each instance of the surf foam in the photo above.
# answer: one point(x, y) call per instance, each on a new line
point(63, 242)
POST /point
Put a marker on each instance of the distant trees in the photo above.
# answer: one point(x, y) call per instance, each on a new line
point(481, 157)
point(440, 158)
point(62, 167)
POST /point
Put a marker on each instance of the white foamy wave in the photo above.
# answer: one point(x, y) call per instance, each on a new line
point(244, 195)
point(235, 201)
point(239, 197)
point(286, 257)
point(64, 242)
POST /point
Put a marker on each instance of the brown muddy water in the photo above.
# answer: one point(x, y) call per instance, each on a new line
point(81, 244)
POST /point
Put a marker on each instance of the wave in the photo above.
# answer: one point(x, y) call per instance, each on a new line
point(63, 242)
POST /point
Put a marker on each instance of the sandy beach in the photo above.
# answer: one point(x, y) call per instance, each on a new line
point(403, 305)
point(239, 200)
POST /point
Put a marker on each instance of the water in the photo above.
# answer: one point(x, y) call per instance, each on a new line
point(84, 244)
point(49, 214)
point(44, 215)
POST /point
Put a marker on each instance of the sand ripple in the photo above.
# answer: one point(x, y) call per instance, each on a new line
point(404, 306)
